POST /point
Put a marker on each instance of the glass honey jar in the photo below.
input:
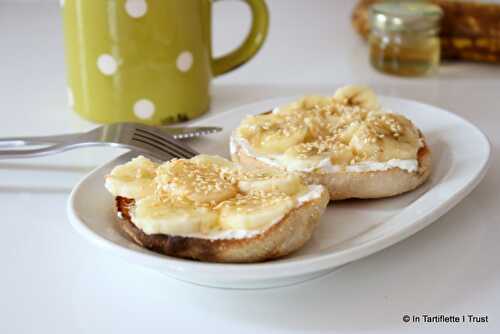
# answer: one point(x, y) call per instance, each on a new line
point(404, 37)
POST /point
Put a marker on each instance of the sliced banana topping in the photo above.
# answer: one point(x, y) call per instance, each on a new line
point(269, 180)
point(208, 160)
point(359, 96)
point(273, 133)
point(135, 179)
point(199, 182)
point(254, 210)
point(347, 129)
point(160, 216)
point(365, 143)
point(330, 148)
point(205, 195)
point(315, 102)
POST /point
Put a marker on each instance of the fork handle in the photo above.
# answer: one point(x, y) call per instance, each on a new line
point(38, 140)
point(38, 152)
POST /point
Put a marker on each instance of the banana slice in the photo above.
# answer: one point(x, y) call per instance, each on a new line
point(341, 154)
point(396, 149)
point(299, 163)
point(272, 133)
point(200, 183)
point(207, 160)
point(360, 96)
point(279, 140)
point(398, 138)
point(365, 143)
point(134, 180)
point(315, 102)
point(165, 216)
point(254, 210)
point(309, 155)
point(269, 180)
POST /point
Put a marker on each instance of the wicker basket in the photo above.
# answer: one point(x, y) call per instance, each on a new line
point(470, 30)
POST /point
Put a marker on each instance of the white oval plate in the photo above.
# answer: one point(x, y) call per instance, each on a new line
point(349, 230)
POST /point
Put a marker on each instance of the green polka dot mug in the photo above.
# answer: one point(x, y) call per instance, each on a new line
point(147, 60)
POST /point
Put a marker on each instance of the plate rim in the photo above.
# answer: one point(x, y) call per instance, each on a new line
point(277, 269)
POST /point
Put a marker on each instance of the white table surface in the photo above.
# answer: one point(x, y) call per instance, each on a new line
point(53, 281)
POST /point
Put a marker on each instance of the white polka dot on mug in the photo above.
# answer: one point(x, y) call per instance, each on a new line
point(185, 61)
point(136, 8)
point(107, 64)
point(144, 109)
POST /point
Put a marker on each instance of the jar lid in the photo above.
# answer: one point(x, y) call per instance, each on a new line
point(405, 16)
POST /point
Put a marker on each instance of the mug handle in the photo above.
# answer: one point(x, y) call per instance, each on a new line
point(252, 43)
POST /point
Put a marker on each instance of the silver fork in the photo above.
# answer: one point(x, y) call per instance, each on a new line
point(142, 138)
point(182, 132)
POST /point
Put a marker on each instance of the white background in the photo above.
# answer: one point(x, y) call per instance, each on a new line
point(54, 281)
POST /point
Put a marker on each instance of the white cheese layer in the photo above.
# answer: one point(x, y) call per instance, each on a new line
point(299, 165)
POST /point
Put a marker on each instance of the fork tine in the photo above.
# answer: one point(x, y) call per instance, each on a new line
point(166, 139)
point(160, 145)
point(162, 136)
point(163, 145)
point(158, 151)
point(151, 151)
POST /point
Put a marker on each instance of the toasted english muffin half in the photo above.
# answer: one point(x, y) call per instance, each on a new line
point(280, 239)
point(363, 185)
point(347, 143)
point(210, 209)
